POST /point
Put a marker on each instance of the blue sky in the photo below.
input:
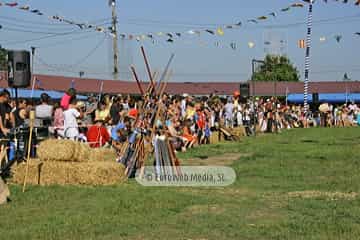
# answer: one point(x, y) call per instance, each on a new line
point(196, 58)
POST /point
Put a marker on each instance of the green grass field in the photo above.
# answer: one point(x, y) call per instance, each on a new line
point(301, 184)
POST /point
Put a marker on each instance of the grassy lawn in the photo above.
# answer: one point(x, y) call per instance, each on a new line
point(301, 184)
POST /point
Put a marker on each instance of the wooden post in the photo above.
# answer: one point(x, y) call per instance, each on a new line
point(32, 118)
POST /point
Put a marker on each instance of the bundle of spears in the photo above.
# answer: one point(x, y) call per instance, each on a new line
point(149, 133)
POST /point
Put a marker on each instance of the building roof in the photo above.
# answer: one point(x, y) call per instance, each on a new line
point(86, 85)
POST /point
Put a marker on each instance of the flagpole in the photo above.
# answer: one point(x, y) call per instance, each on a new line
point(101, 90)
point(32, 71)
point(307, 56)
point(32, 88)
point(287, 94)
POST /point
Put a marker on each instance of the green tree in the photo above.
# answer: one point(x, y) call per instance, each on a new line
point(277, 68)
point(3, 57)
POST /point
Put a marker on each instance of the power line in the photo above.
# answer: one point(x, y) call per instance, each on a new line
point(343, 19)
point(77, 63)
point(47, 37)
point(98, 21)
point(92, 51)
point(64, 42)
point(26, 31)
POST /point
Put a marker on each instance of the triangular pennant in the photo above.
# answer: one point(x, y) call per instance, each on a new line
point(26, 8)
point(220, 31)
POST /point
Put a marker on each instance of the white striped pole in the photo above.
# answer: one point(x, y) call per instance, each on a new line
point(307, 56)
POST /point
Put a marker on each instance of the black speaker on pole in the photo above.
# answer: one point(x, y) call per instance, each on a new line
point(244, 90)
point(19, 74)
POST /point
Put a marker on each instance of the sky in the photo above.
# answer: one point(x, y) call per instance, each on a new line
point(204, 58)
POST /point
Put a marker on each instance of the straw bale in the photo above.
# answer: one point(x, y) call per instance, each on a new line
point(4, 192)
point(70, 173)
point(103, 154)
point(56, 150)
point(82, 152)
point(214, 137)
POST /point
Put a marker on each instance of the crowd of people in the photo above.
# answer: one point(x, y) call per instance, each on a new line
point(187, 120)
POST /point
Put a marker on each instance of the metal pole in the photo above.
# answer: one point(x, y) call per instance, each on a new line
point(307, 56)
point(253, 95)
point(115, 40)
point(276, 110)
point(32, 71)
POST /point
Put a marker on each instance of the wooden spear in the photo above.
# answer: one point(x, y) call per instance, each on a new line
point(137, 79)
point(32, 118)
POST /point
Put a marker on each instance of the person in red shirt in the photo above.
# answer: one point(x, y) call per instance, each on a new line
point(97, 135)
point(201, 122)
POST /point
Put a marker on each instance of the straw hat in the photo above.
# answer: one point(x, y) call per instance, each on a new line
point(80, 104)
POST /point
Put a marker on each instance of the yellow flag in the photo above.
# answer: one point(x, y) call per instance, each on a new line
point(220, 31)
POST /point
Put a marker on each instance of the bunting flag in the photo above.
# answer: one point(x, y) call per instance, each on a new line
point(219, 30)
point(302, 43)
point(251, 44)
point(170, 37)
point(57, 18)
point(338, 38)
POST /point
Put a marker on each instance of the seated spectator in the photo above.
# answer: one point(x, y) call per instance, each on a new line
point(44, 111)
point(102, 112)
point(97, 135)
point(20, 113)
point(58, 123)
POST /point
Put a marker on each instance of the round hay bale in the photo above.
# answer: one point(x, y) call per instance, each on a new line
point(70, 173)
point(82, 152)
point(56, 150)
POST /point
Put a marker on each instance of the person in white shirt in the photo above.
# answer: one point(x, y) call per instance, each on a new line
point(183, 105)
point(229, 113)
point(71, 128)
point(44, 111)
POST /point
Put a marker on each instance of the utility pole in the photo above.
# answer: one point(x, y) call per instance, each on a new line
point(112, 3)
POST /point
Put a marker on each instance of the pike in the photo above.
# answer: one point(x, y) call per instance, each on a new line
point(137, 79)
point(152, 84)
point(154, 119)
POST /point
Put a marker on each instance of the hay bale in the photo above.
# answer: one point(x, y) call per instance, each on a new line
point(56, 150)
point(239, 131)
point(4, 192)
point(82, 152)
point(103, 154)
point(67, 150)
point(214, 137)
point(70, 173)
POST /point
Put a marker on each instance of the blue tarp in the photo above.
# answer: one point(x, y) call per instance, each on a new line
point(26, 93)
point(326, 97)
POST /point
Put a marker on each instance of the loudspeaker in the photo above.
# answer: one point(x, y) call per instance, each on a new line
point(315, 98)
point(19, 75)
point(244, 90)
